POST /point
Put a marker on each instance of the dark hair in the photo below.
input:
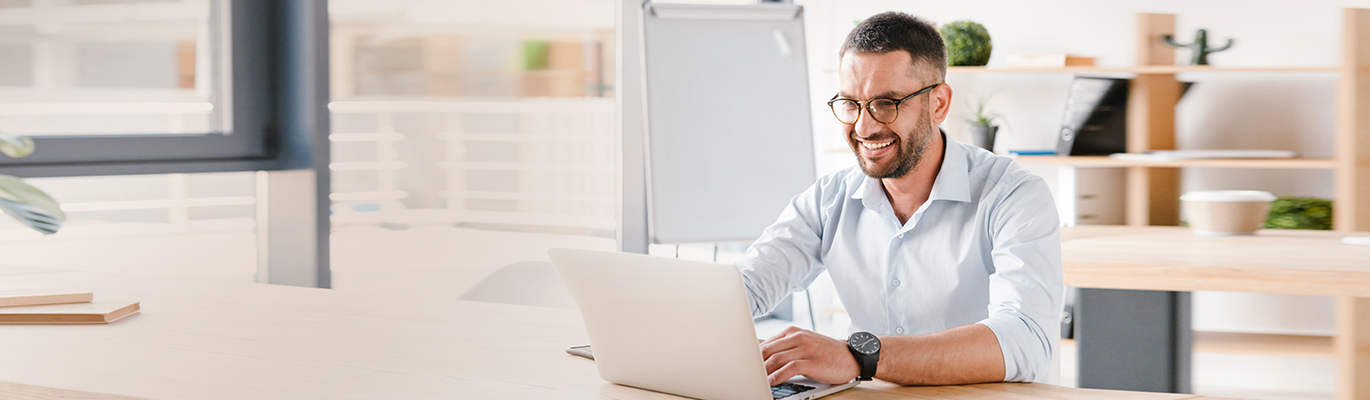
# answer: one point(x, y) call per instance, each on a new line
point(894, 31)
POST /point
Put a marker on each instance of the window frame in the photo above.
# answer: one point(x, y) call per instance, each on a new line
point(275, 110)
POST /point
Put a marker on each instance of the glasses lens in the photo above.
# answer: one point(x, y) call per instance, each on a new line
point(884, 110)
point(846, 111)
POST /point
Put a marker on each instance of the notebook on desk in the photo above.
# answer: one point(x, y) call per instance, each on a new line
point(96, 312)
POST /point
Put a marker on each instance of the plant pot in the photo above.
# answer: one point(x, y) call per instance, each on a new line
point(983, 136)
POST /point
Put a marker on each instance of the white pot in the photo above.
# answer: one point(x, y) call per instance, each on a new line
point(1226, 212)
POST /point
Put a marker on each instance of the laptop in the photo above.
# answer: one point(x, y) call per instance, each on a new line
point(673, 326)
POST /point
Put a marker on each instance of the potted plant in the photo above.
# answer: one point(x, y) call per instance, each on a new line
point(27, 204)
point(982, 125)
point(968, 43)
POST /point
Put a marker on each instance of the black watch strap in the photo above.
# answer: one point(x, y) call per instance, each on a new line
point(868, 363)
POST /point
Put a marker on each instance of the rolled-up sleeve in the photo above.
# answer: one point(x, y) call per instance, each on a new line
point(1026, 287)
point(785, 258)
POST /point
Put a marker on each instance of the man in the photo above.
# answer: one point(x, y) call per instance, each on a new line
point(947, 254)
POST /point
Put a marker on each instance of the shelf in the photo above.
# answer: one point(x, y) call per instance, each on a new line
point(1258, 344)
point(1146, 69)
point(1104, 161)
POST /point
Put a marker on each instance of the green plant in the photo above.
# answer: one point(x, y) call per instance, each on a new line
point(1300, 213)
point(982, 116)
point(27, 204)
point(968, 43)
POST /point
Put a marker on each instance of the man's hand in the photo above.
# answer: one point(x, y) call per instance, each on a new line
point(798, 351)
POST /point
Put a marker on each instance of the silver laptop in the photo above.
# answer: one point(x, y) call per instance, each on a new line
point(673, 326)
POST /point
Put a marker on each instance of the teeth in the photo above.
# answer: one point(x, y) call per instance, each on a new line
point(874, 146)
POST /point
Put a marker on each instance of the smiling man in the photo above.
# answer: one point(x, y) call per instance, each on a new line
point(946, 257)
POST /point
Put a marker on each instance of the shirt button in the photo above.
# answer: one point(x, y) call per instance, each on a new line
point(899, 330)
point(896, 282)
point(901, 236)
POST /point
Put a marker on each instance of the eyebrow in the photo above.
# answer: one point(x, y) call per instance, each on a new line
point(888, 94)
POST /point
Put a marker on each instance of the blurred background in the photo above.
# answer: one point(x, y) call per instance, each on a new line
point(468, 135)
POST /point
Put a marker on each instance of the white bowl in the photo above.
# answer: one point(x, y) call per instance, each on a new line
point(1226, 212)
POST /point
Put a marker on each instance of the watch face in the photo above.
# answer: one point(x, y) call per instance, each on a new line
point(863, 342)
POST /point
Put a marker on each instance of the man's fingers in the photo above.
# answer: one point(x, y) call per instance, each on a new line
point(788, 371)
point(777, 360)
point(788, 330)
point(781, 344)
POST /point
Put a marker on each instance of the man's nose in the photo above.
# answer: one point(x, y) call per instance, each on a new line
point(867, 126)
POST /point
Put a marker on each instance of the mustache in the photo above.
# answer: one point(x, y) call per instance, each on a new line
point(873, 138)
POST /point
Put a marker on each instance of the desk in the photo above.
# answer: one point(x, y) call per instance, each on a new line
point(1174, 259)
point(197, 339)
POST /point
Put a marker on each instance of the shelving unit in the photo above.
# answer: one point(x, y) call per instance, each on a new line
point(1153, 187)
point(1143, 69)
point(1105, 161)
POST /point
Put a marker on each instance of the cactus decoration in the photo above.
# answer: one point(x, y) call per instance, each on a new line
point(1199, 47)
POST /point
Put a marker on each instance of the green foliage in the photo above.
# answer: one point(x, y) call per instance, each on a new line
point(30, 206)
point(1300, 213)
point(15, 146)
point(27, 204)
point(968, 43)
point(982, 116)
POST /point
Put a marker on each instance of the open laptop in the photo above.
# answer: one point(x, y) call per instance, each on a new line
point(674, 326)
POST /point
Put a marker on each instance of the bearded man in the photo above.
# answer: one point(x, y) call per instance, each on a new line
point(946, 256)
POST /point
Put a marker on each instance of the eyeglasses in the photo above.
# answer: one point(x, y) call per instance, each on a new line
point(884, 110)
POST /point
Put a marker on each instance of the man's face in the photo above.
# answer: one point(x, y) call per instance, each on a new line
point(886, 150)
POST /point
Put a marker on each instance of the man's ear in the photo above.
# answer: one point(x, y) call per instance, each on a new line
point(941, 103)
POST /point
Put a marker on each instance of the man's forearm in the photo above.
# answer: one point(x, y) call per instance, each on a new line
point(967, 354)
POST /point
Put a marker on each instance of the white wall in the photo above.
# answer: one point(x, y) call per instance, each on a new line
point(1288, 111)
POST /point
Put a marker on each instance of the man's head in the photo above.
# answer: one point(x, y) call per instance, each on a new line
point(890, 56)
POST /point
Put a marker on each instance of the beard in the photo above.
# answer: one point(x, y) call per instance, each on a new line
point(906, 156)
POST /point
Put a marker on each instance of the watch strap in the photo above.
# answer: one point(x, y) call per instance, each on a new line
point(866, 362)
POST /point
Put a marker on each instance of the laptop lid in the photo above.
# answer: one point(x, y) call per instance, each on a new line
point(669, 325)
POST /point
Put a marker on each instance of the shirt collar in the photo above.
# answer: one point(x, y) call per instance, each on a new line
point(953, 179)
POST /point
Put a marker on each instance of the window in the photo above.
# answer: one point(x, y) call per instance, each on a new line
point(146, 86)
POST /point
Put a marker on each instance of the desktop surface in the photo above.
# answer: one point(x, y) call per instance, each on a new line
point(198, 339)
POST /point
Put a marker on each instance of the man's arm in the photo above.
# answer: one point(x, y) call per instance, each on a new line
point(785, 257)
point(1027, 288)
point(967, 354)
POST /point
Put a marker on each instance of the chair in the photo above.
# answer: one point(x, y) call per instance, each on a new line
point(529, 283)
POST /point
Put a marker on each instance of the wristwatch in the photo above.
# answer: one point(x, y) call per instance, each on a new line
point(866, 348)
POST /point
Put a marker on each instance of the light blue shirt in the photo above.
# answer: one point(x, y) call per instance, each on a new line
point(985, 248)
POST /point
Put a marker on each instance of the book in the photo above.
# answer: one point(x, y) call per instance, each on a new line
point(97, 312)
point(1171, 155)
point(38, 299)
point(1048, 60)
point(1032, 152)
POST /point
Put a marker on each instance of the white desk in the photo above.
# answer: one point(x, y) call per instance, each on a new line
point(197, 339)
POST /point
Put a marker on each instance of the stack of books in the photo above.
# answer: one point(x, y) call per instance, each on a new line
point(62, 308)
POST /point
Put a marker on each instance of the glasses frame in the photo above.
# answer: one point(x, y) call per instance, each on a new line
point(866, 105)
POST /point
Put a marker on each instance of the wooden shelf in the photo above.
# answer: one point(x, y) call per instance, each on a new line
point(1144, 69)
point(1258, 344)
point(1105, 161)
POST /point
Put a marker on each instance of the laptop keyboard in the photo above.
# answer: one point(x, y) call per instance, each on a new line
point(788, 389)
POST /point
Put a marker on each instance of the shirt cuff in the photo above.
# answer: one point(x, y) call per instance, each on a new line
point(1026, 350)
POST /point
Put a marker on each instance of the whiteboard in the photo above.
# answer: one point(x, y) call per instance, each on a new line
point(729, 135)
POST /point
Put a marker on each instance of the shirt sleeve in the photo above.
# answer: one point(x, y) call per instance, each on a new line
point(1026, 288)
point(785, 258)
